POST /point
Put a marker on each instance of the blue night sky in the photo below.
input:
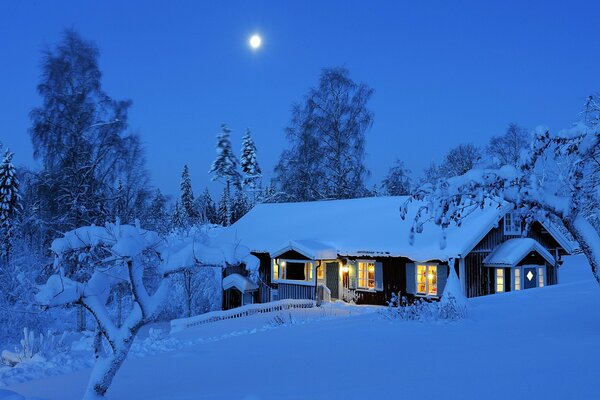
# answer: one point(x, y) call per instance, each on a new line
point(444, 72)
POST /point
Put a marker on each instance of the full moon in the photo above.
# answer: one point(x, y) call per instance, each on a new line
point(255, 41)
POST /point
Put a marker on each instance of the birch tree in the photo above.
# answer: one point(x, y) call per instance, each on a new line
point(327, 130)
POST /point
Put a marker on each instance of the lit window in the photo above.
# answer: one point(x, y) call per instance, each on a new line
point(309, 271)
point(292, 270)
point(512, 224)
point(499, 280)
point(427, 279)
point(541, 277)
point(275, 271)
point(366, 274)
point(517, 278)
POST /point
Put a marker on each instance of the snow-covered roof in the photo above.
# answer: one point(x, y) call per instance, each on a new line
point(239, 282)
point(511, 252)
point(567, 244)
point(358, 227)
point(312, 249)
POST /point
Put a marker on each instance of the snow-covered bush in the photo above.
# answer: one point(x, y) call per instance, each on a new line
point(34, 348)
point(451, 307)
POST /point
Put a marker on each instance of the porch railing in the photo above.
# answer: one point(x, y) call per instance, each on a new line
point(178, 325)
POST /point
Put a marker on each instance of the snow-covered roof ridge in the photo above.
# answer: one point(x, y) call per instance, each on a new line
point(312, 249)
point(512, 251)
point(241, 283)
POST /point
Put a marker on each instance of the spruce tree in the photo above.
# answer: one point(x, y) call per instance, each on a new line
point(178, 217)
point(250, 169)
point(225, 165)
point(240, 206)
point(209, 208)
point(9, 202)
point(186, 201)
point(224, 210)
point(157, 213)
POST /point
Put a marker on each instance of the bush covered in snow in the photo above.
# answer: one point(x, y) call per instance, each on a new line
point(451, 307)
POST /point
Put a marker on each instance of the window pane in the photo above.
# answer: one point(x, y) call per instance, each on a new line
point(421, 279)
point(295, 271)
point(275, 270)
point(371, 275)
point(432, 279)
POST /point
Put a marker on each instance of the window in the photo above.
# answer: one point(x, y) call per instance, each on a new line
point(541, 271)
point(427, 279)
point(512, 224)
point(292, 270)
point(366, 274)
point(517, 278)
point(499, 280)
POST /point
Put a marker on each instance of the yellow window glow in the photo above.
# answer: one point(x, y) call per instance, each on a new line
point(421, 278)
point(499, 280)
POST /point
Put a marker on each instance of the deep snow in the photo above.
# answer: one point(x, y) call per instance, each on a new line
point(539, 343)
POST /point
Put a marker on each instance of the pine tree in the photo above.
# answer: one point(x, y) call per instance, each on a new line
point(250, 169)
point(9, 202)
point(186, 202)
point(209, 208)
point(240, 206)
point(224, 210)
point(178, 217)
point(157, 213)
point(225, 165)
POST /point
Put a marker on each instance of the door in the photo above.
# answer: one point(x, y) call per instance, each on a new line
point(332, 279)
point(529, 276)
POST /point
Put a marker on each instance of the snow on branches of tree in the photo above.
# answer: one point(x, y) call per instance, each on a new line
point(92, 261)
point(553, 181)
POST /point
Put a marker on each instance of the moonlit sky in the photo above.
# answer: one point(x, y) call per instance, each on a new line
point(444, 72)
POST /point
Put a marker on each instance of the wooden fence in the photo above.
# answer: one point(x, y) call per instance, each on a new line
point(178, 325)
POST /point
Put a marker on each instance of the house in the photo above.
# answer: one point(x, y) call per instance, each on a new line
point(360, 250)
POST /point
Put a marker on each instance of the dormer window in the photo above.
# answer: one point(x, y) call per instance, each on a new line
point(512, 224)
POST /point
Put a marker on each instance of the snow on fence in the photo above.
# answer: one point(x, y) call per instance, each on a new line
point(178, 325)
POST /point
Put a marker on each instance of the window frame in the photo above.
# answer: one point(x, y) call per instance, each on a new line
point(309, 267)
point(511, 229)
point(426, 293)
point(358, 278)
point(515, 281)
point(541, 272)
point(496, 276)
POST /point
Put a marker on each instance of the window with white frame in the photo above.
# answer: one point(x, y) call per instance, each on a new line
point(499, 280)
point(517, 279)
point(541, 276)
point(366, 275)
point(292, 270)
point(512, 224)
point(427, 279)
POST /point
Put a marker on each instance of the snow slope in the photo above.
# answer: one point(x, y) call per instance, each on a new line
point(539, 343)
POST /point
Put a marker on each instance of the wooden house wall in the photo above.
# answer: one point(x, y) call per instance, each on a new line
point(480, 280)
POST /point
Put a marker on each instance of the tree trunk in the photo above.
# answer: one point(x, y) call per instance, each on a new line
point(105, 370)
point(80, 319)
point(588, 239)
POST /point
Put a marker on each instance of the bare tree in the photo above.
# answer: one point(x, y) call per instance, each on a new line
point(506, 149)
point(327, 138)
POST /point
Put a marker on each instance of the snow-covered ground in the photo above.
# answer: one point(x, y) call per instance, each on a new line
point(540, 343)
